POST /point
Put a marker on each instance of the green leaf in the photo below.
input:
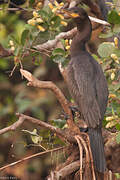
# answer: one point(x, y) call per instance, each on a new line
point(113, 112)
point(24, 36)
point(14, 38)
point(116, 28)
point(117, 52)
point(116, 87)
point(35, 139)
point(58, 51)
point(117, 175)
point(118, 127)
point(113, 17)
point(109, 34)
point(3, 64)
point(56, 21)
point(118, 138)
point(65, 63)
point(17, 51)
point(58, 58)
point(33, 133)
point(38, 60)
point(43, 14)
point(59, 123)
point(34, 136)
point(62, 41)
point(106, 49)
point(106, 64)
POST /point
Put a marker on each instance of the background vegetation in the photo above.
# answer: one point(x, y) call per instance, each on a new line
point(20, 31)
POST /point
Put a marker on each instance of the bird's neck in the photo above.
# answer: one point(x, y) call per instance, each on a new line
point(83, 35)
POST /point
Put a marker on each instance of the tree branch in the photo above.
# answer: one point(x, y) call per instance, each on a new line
point(13, 126)
point(52, 43)
point(67, 170)
point(29, 157)
point(61, 98)
point(64, 135)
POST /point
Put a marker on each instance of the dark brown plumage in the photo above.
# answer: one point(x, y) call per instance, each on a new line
point(88, 86)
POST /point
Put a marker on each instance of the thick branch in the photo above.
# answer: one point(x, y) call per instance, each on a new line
point(50, 85)
point(67, 170)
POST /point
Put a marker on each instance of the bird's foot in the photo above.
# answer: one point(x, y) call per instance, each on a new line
point(82, 129)
point(74, 109)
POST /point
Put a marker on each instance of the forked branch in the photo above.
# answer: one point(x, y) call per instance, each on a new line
point(60, 96)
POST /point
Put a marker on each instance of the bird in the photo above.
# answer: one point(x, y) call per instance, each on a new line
point(87, 85)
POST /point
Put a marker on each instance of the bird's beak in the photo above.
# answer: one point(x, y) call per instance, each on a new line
point(70, 13)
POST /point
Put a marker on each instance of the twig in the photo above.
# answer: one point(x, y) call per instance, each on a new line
point(36, 145)
point(90, 154)
point(86, 149)
point(100, 21)
point(14, 9)
point(29, 157)
point(81, 155)
point(13, 70)
point(13, 126)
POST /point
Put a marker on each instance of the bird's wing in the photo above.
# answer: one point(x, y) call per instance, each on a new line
point(87, 96)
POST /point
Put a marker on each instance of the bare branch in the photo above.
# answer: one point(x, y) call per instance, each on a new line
point(64, 135)
point(23, 117)
point(52, 43)
point(14, 9)
point(29, 157)
point(13, 126)
point(81, 155)
point(67, 170)
point(60, 96)
point(100, 21)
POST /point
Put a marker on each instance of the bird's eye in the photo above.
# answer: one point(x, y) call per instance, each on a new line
point(76, 11)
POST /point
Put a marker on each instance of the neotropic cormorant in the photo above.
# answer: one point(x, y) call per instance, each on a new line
point(87, 85)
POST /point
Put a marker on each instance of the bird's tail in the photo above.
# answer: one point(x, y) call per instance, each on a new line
point(97, 148)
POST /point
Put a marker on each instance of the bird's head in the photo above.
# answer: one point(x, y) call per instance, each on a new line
point(76, 12)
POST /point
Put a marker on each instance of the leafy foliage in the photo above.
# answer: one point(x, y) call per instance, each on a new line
point(21, 35)
point(109, 53)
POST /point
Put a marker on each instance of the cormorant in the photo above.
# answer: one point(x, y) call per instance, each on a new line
point(87, 85)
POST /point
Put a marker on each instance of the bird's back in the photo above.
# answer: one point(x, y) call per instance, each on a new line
point(89, 74)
